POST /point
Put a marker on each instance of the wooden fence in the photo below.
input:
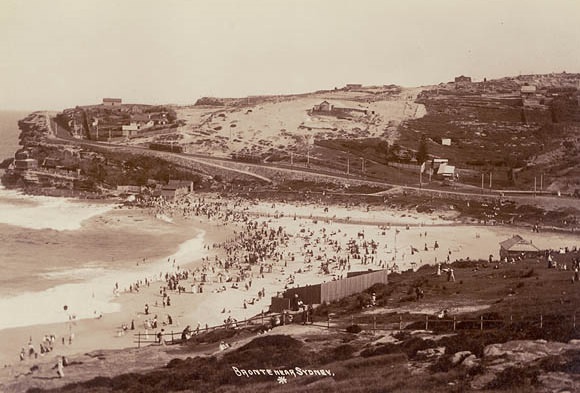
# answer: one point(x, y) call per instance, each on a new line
point(335, 290)
point(174, 337)
point(373, 323)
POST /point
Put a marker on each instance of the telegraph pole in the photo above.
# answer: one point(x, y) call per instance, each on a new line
point(396, 233)
point(490, 175)
point(535, 188)
point(347, 166)
point(482, 178)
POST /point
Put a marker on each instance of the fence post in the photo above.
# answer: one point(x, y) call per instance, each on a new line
point(574, 321)
point(328, 322)
point(352, 319)
point(139, 340)
point(481, 323)
point(426, 322)
point(374, 323)
point(511, 319)
point(262, 317)
point(454, 322)
point(172, 337)
point(400, 322)
point(541, 321)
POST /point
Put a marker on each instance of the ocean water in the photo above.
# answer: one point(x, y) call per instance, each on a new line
point(49, 258)
point(86, 291)
point(9, 132)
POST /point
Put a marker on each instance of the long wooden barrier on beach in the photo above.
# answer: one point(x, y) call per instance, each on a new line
point(336, 290)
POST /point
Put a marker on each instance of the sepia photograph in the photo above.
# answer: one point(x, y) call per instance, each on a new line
point(289, 196)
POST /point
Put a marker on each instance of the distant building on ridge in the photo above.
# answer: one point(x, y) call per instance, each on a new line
point(326, 108)
point(112, 101)
point(462, 82)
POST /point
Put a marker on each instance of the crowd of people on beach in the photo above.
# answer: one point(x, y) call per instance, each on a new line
point(262, 254)
point(259, 249)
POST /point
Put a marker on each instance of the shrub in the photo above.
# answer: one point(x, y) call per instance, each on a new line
point(341, 352)
point(214, 336)
point(568, 362)
point(382, 360)
point(270, 351)
point(513, 377)
point(402, 335)
point(363, 300)
point(529, 273)
point(442, 365)
point(409, 347)
point(353, 329)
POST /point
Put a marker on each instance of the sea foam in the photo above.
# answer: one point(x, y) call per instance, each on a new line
point(41, 212)
point(94, 295)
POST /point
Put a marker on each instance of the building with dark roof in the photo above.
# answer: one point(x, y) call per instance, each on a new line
point(516, 246)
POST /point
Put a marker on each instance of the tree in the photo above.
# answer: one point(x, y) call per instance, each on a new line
point(422, 153)
point(383, 150)
point(394, 152)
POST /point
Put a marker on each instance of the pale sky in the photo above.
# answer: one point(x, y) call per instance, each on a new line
point(61, 53)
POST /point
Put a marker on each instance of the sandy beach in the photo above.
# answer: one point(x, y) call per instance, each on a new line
point(310, 237)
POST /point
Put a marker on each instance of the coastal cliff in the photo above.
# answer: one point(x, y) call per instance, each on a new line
point(51, 165)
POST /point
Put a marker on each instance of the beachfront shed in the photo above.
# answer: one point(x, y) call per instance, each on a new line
point(516, 246)
point(175, 188)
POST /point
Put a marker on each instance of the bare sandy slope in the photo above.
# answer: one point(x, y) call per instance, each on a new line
point(284, 124)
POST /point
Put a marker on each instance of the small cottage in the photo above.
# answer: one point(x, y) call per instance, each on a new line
point(516, 246)
point(446, 172)
point(462, 79)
